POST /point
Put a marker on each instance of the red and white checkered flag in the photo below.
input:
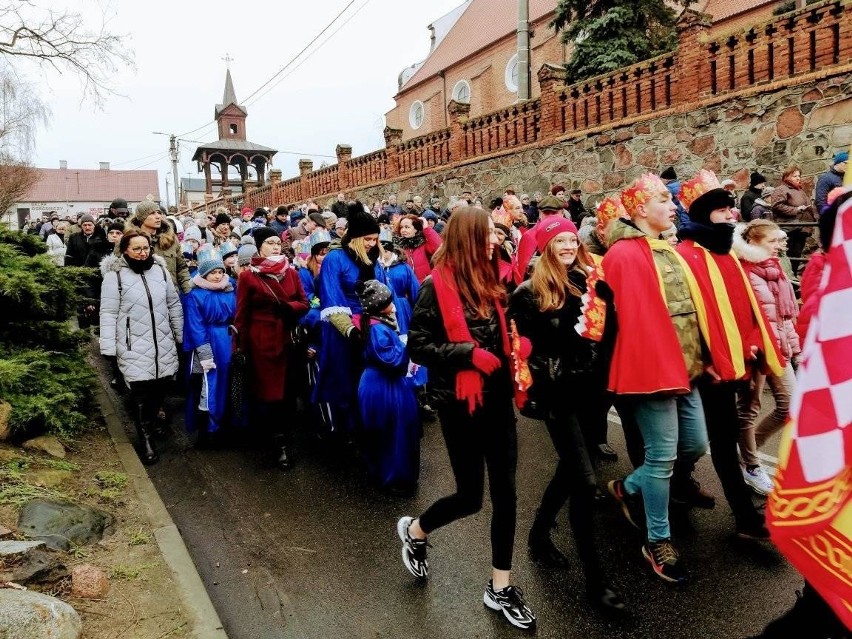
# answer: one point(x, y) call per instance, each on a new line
point(810, 512)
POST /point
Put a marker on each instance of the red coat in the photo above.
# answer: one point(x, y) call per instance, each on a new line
point(265, 326)
point(746, 323)
point(420, 258)
point(647, 356)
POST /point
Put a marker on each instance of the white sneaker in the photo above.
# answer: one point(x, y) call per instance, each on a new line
point(758, 480)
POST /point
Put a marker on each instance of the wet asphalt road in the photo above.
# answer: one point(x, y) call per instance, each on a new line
point(314, 552)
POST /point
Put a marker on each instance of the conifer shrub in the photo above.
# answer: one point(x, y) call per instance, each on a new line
point(44, 375)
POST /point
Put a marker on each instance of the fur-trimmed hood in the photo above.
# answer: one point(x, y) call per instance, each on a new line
point(748, 252)
point(115, 263)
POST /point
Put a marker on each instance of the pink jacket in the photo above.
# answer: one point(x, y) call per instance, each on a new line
point(774, 293)
point(420, 258)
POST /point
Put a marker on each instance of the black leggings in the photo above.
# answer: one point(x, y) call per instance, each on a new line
point(488, 437)
point(574, 478)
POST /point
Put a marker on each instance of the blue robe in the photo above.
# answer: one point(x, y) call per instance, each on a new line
point(340, 366)
point(405, 286)
point(207, 315)
point(389, 412)
point(310, 321)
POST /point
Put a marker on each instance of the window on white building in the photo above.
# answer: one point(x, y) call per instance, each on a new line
point(416, 115)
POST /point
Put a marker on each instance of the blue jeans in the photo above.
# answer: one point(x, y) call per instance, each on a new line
point(671, 427)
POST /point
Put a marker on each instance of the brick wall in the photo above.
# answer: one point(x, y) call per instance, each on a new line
point(745, 100)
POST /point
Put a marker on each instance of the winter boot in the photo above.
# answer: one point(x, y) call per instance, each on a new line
point(147, 454)
point(541, 545)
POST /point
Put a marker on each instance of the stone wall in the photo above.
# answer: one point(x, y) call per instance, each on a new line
point(804, 124)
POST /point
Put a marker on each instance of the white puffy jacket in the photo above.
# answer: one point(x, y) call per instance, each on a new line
point(141, 319)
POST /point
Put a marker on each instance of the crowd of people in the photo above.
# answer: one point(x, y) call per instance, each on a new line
point(671, 302)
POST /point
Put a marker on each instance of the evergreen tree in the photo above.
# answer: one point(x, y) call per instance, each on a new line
point(611, 34)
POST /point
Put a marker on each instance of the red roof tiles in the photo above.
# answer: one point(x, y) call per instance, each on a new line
point(724, 9)
point(482, 24)
point(93, 185)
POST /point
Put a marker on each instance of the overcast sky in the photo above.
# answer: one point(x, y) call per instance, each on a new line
point(339, 94)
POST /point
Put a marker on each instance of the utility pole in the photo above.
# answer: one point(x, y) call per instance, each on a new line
point(523, 50)
point(173, 155)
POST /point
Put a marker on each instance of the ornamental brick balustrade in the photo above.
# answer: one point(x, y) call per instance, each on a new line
point(799, 46)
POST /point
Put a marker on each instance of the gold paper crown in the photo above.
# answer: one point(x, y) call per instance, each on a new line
point(693, 189)
point(610, 208)
point(641, 191)
point(502, 216)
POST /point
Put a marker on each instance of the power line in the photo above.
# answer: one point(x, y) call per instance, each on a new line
point(307, 57)
point(296, 57)
point(144, 157)
point(282, 69)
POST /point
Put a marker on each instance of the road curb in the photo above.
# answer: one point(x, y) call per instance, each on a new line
point(191, 590)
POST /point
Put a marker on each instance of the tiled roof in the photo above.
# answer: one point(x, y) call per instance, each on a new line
point(724, 9)
point(93, 185)
point(483, 23)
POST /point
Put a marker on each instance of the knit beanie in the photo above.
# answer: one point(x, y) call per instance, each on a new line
point(374, 296)
point(669, 174)
point(144, 209)
point(209, 259)
point(547, 230)
point(192, 233)
point(116, 226)
point(247, 239)
point(755, 179)
point(227, 249)
point(222, 218)
point(86, 218)
point(361, 223)
point(841, 157)
point(246, 252)
point(263, 233)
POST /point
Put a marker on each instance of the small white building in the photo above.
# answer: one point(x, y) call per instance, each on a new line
point(71, 192)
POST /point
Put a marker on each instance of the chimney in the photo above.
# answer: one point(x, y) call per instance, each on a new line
point(63, 164)
point(104, 166)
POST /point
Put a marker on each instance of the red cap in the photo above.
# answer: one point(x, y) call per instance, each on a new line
point(548, 228)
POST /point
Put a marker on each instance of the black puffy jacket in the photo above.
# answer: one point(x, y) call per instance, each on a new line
point(429, 345)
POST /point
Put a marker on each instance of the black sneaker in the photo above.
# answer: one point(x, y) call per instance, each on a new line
point(510, 600)
point(632, 505)
point(691, 495)
point(665, 561)
point(413, 550)
point(605, 451)
point(755, 530)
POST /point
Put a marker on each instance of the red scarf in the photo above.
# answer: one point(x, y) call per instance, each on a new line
point(274, 265)
point(469, 381)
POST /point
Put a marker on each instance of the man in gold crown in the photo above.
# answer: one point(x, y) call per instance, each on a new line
point(660, 314)
point(739, 339)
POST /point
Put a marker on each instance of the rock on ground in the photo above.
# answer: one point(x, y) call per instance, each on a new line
point(46, 444)
point(5, 429)
point(62, 525)
point(31, 615)
point(89, 582)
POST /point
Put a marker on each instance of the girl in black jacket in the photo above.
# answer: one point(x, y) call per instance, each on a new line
point(569, 376)
point(458, 330)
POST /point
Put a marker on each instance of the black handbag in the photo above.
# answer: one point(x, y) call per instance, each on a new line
point(236, 381)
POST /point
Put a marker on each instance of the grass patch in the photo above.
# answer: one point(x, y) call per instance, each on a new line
point(139, 538)
point(111, 481)
point(128, 573)
point(59, 464)
point(16, 492)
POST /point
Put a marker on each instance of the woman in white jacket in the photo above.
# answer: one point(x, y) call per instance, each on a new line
point(141, 324)
point(56, 243)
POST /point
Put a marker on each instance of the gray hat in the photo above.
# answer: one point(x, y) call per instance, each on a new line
point(144, 209)
point(374, 296)
point(192, 233)
point(246, 252)
point(86, 218)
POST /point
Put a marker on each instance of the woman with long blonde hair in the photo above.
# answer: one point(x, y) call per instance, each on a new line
point(570, 368)
point(459, 331)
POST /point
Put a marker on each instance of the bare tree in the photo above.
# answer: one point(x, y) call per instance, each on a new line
point(21, 112)
point(16, 179)
point(62, 40)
